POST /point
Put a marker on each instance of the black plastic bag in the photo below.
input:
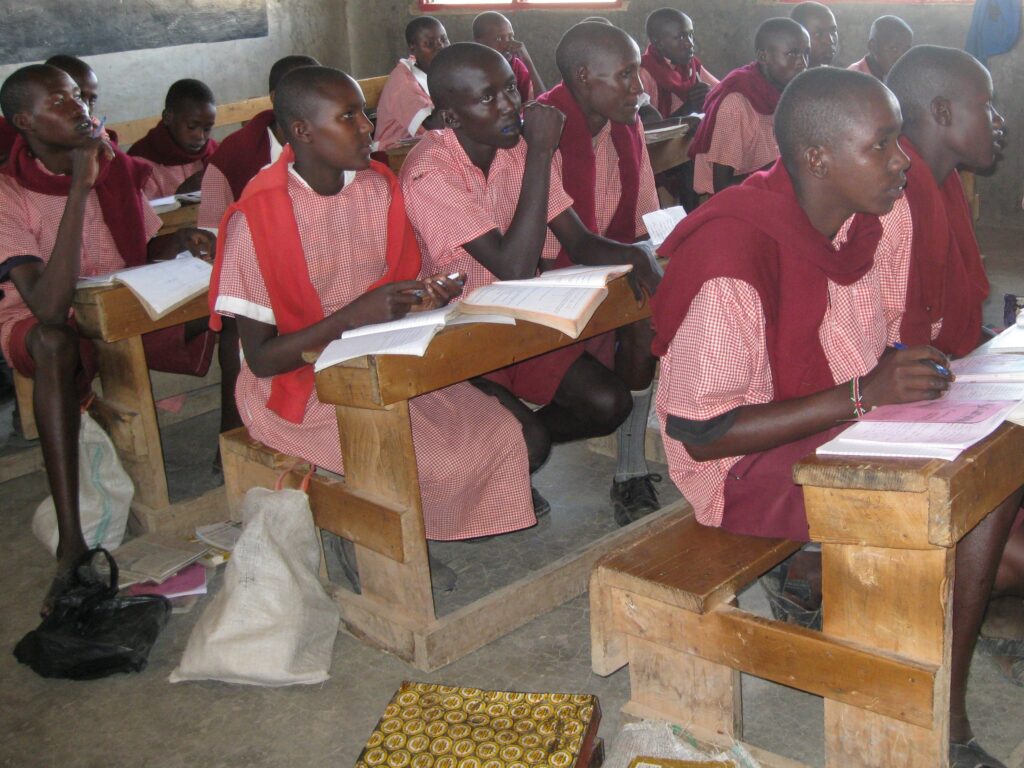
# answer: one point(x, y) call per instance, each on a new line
point(92, 632)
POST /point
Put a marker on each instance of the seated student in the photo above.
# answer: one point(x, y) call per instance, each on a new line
point(482, 195)
point(178, 148)
point(675, 81)
point(820, 24)
point(773, 331)
point(492, 29)
point(736, 136)
point(607, 172)
point(319, 243)
point(71, 205)
point(889, 38)
point(405, 108)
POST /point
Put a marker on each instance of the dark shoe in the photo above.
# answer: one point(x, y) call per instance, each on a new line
point(442, 577)
point(634, 498)
point(971, 755)
point(791, 600)
point(541, 506)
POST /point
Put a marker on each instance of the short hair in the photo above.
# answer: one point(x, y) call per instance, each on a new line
point(299, 90)
point(188, 90)
point(928, 71)
point(599, 20)
point(73, 65)
point(817, 107)
point(449, 62)
point(283, 66)
point(803, 12)
point(417, 25)
point(485, 21)
point(887, 27)
point(662, 16)
point(580, 41)
point(16, 92)
point(773, 29)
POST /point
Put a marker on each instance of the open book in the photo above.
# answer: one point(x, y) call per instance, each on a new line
point(661, 223)
point(1010, 340)
point(563, 299)
point(989, 368)
point(173, 202)
point(163, 286)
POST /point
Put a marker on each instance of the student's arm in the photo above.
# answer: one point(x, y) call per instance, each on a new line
point(192, 184)
point(49, 288)
point(584, 247)
point(200, 243)
point(269, 354)
point(515, 254)
point(648, 114)
point(724, 176)
point(518, 48)
point(899, 377)
point(694, 100)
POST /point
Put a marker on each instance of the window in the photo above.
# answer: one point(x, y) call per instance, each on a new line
point(518, 5)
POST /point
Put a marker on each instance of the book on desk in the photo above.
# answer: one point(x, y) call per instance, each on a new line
point(161, 287)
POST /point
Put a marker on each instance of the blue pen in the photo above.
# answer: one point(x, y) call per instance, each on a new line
point(939, 369)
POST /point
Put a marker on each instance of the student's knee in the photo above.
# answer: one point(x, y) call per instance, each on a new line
point(597, 395)
point(538, 442)
point(612, 403)
point(54, 348)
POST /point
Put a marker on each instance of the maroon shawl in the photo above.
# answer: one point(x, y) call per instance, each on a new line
point(159, 146)
point(671, 79)
point(749, 82)
point(242, 154)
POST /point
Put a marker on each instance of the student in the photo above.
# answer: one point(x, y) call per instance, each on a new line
point(889, 38)
point(773, 332)
point(607, 172)
point(318, 244)
point(178, 148)
point(482, 195)
point(736, 136)
point(820, 24)
point(71, 205)
point(244, 152)
point(675, 81)
point(405, 109)
point(492, 29)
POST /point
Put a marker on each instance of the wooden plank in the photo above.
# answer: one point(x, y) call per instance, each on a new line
point(669, 153)
point(130, 131)
point(181, 519)
point(609, 650)
point(112, 313)
point(185, 216)
point(856, 674)
point(21, 463)
point(24, 388)
point(909, 475)
point(869, 517)
point(372, 88)
point(691, 566)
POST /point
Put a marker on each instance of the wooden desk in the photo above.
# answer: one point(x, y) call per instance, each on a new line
point(382, 512)
point(889, 531)
point(115, 320)
point(185, 216)
point(668, 148)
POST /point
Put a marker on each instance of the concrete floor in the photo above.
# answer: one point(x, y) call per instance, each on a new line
point(141, 720)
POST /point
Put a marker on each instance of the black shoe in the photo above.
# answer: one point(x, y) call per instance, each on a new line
point(541, 506)
point(634, 498)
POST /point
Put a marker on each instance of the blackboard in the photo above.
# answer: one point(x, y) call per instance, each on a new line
point(32, 30)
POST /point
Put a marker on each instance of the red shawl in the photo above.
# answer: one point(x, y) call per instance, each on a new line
point(749, 82)
point(671, 79)
point(242, 154)
point(118, 188)
point(282, 262)
point(8, 133)
point(947, 279)
point(757, 232)
point(159, 146)
point(523, 79)
point(579, 172)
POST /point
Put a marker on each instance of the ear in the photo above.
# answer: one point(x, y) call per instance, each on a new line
point(941, 111)
point(582, 75)
point(817, 161)
point(22, 121)
point(166, 117)
point(299, 132)
point(762, 56)
point(449, 119)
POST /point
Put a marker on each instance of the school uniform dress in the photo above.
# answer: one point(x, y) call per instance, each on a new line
point(470, 453)
point(933, 279)
point(744, 318)
point(666, 85)
point(737, 130)
point(238, 158)
point(404, 104)
point(29, 220)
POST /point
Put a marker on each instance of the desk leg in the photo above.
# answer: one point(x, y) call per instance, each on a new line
point(895, 600)
point(128, 413)
point(397, 603)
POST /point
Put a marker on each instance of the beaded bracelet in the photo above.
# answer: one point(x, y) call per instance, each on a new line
point(855, 398)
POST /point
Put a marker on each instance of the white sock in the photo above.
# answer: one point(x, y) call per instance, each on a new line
point(632, 438)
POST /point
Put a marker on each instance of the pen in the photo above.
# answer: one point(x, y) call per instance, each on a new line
point(98, 130)
point(939, 369)
point(453, 276)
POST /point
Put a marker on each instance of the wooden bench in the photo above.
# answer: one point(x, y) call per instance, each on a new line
point(888, 530)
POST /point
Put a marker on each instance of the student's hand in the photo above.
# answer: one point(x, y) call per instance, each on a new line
point(517, 48)
point(201, 243)
point(645, 275)
point(542, 126)
point(695, 98)
point(440, 289)
point(905, 376)
point(85, 161)
point(390, 301)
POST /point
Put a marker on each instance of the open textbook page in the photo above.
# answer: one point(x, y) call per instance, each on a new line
point(661, 223)
point(1011, 340)
point(163, 286)
point(989, 368)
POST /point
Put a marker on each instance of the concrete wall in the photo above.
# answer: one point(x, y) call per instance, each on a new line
point(725, 31)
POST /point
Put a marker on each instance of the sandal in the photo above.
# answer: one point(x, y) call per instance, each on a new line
point(971, 755)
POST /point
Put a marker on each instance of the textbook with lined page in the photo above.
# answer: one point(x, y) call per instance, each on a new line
point(163, 286)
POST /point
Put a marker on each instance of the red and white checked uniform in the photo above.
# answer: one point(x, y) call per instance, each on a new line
point(470, 454)
point(862, 66)
point(893, 262)
point(404, 104)
point(28, 227)
point(450, 202)
point(744, 140)
point(216, 191)
point(723, 364)
point(167, 178)
point(652, 95)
